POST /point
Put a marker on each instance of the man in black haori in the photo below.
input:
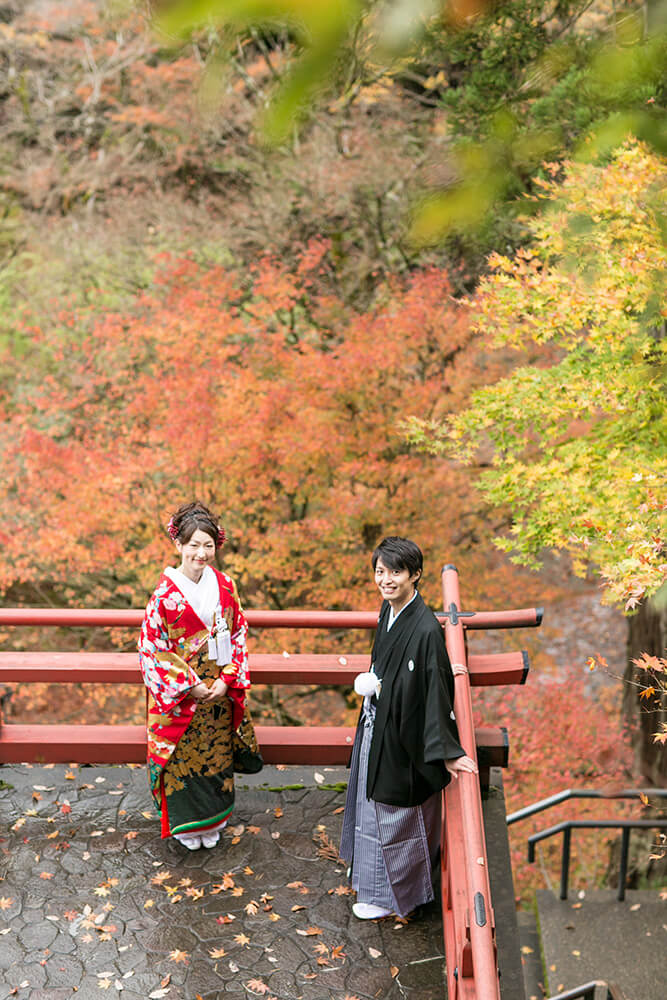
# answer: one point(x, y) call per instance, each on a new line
point(406, 747)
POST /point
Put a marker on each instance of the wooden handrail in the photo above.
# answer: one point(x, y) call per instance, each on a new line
point(265, 668)
point(468, 918)
point(132, 618)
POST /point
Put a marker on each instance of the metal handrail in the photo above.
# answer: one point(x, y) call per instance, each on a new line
point(587, 991)
point(566, 828)
point(582, 793)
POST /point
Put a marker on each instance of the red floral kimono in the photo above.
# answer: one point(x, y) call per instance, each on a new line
point(190, 762)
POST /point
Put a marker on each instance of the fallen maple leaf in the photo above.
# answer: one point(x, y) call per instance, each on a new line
point(227, 883)
point(321, 948)
point(179, 956)
point(338, 952)
point(6, 902)
point(253, 829)
point(65, 808)
point(277, 812)
point(160, 877)
point(394, 971)
point(225, 919)
point(256, 986)
point(46, 874)
point(242, 939)
point(248, 870)
point(217, 952)
point(374, 953)
point(310, 931)
point(323, 961)
point(252, 908)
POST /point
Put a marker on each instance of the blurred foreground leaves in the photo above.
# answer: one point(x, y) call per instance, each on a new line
point(520, 81)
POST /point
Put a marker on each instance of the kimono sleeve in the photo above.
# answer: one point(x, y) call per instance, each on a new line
point(168, 677)
point(441, 735)
point(236, 673)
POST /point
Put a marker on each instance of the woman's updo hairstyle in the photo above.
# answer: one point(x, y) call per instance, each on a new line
point(191, 517)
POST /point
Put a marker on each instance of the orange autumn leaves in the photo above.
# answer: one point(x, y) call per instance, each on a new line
point(256, 392)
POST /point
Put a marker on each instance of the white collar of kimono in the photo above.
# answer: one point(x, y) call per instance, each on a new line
point(203, 597)
point(393, 617)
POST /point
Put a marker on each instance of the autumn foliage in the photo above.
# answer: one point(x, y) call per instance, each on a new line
point(578, 438)
point(258, 393)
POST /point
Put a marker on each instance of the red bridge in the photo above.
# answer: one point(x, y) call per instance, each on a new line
point(468, 916)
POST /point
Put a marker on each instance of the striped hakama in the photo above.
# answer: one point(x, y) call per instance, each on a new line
point(393, 849)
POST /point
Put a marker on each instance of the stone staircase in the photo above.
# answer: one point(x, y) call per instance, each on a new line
point(595, 937)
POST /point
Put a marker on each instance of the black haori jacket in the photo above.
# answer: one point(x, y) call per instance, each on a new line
point(415, 729)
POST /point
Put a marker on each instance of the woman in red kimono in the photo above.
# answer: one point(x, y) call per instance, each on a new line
point(194, 664)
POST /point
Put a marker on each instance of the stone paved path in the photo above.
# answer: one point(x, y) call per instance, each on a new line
point(93, 903)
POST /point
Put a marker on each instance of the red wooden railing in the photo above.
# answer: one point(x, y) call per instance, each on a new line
point(467, 911)
point(469, 943)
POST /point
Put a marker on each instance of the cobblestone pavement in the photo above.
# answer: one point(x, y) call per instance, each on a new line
point(92, 900)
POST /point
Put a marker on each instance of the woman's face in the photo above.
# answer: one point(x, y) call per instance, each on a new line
point(196, 554)
point(396, 585)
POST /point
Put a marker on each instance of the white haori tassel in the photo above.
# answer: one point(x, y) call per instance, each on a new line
point(368, 684)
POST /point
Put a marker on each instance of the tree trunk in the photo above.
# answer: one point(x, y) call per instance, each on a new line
point(647, 633)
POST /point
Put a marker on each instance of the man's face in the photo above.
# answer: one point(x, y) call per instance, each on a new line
point(396, 585)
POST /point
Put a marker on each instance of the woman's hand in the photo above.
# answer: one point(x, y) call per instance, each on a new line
point(461, 764)
point(199, 692)
point(216, 692)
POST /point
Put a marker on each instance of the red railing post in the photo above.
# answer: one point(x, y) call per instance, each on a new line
point(469, 926)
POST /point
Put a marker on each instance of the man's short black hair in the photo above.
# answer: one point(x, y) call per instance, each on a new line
point(399, 553)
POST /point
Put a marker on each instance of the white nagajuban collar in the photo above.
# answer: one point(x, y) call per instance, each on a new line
point(393, 617)
point(203, 597)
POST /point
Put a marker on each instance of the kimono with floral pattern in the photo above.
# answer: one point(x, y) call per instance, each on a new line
point(189, 744)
